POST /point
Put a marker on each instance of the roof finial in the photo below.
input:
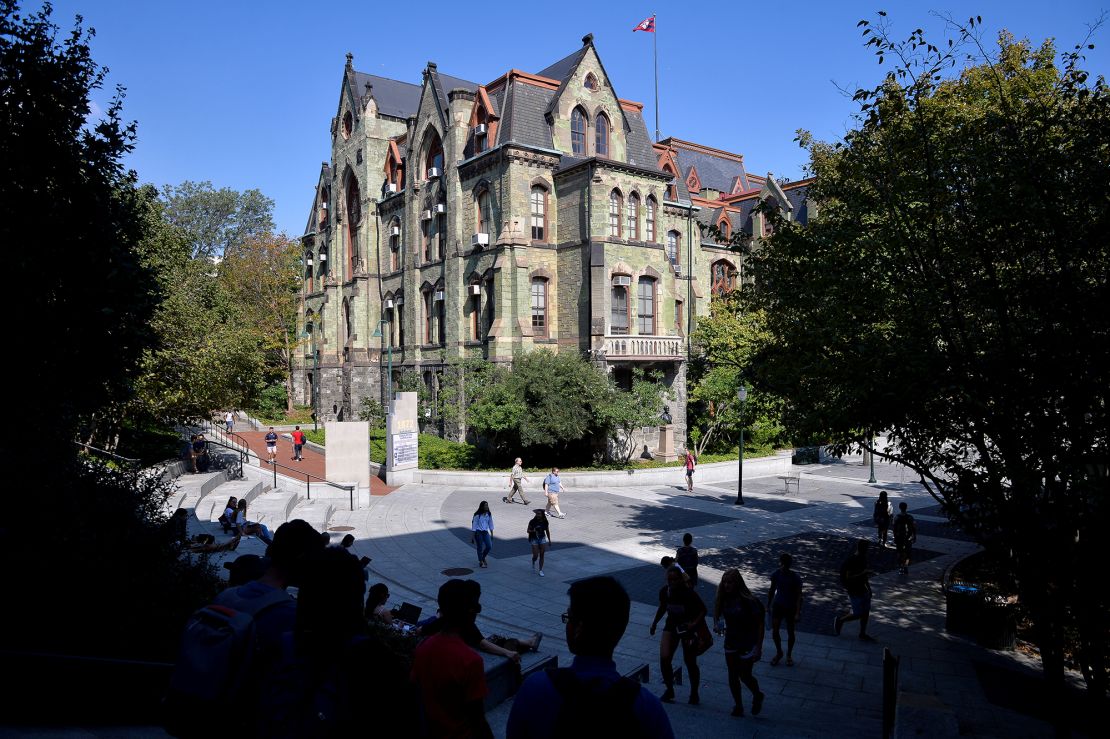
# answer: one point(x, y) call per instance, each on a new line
point(350, 60)
point(431, 65)
point(588, 39)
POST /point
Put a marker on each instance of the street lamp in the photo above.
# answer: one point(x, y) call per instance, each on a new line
point(315, 381)
point(742, 396)
point(389, 372)
point(871, 456)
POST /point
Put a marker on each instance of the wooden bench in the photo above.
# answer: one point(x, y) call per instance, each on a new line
point(795, 480)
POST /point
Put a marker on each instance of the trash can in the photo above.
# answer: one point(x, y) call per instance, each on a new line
point(997, 624)
point(963, 605)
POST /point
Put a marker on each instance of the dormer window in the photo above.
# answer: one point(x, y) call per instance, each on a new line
point(601, 143)
point(672, 189)
point(725, 229)
point(481, 132)
point(578, 132)
point(591, 82)
point(433, 160)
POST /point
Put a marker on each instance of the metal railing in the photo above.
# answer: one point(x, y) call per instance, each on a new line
point(105, 453)
point(244, 449)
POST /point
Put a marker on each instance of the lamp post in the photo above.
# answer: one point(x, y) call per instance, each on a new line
point(389, 372)
point(742, 396)
point(871, 456)
point(315, 381)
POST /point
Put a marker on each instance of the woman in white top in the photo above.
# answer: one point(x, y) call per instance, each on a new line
point(243, 526)
point(482, 526)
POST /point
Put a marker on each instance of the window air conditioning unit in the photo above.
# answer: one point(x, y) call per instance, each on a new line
point(441, 208)
point(438, 297)
point(433, 172)
point(391, 187)
point(479, 239)
point(475, 290)
point(399, 300)
point(308, 260)
point(426, 215)
point(323, 256)
point(395, 231)
point(622, 280)
point(677, 270)
point(388, 304)
point(480, 129)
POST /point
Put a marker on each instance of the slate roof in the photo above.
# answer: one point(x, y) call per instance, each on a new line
point(444, 83)
point(523, 117)
point(638, 142)
point(714, 172)
point(394, 98)
point(797, 197)
point(564, 66)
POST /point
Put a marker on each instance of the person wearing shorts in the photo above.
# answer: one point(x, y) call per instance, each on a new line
point(271, 444)
point(690, 463)
point(552, 486)
point(784, 600)
point(854, 576)
point(539, 536)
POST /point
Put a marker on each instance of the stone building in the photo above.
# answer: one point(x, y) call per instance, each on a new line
point(458, 219)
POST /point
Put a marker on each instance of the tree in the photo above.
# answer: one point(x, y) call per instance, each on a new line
point(214, 220)
point(624, 412)
point(953, 292)
point(260, 276)
point(560, 392)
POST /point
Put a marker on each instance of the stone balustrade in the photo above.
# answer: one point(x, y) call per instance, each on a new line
point(643, 347)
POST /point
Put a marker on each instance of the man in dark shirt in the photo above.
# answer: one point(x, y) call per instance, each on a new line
point(687, 558)
point(854, 576)
point(784, 601)
point(590, 698)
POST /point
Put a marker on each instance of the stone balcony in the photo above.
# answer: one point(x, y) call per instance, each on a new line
point(639, 347)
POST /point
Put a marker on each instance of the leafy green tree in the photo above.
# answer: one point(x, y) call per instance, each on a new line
point(624, 412)
point(560, 392)
point(214, 221)
point(953, 292)
point(75, 223)
point(260, 277)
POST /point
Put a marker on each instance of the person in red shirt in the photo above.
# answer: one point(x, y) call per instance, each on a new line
point(298, 444)
point(450, 675)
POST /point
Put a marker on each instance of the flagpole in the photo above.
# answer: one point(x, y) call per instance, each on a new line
point(655, 51)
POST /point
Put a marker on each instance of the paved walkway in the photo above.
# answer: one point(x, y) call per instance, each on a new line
point(420, 531)
point(313, 462)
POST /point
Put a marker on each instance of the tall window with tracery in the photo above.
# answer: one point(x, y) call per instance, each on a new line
point(539, 307)
point(618, 315)
point(615, 214)
point(601, 140)
point(649, 219)
point(578, 132)
point(539, 213)
point(673, 238)
point(645, 308)
point(633, 226)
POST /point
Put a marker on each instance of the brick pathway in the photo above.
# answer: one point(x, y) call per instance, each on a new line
point(312, 464)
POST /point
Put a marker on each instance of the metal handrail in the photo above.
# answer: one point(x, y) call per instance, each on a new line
point(308, 476)
point(113, 455)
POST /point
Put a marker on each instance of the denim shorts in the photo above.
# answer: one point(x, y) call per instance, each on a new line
point(861, 604)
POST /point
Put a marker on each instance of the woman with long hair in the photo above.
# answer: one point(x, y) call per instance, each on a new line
point(739, 616)
point(539, 536)
point(481, 526)
point(881, 516)
point(683, 608)
point(376, 603)
point(242, 526)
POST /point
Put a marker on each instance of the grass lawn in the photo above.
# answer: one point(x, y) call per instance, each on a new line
point(302, 414)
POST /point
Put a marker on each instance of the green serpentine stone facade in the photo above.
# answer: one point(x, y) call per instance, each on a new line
point(469, 220)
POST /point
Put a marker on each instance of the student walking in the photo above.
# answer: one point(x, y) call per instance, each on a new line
point(552, 486)
point(855, 576)
point(271, 445)
point(785, 601)
point(690, 462)
point(516, 483)
point(481, 526)
point(739, 616)
point(229, 419)
point(684, 609)
point(539, 536)
point(881, 517)
point(686, 556)
point(298, 444)
point(905, 534)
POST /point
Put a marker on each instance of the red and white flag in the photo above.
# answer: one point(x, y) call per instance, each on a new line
point(647, 24)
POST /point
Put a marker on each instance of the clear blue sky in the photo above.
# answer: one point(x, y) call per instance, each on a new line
point(241, 93)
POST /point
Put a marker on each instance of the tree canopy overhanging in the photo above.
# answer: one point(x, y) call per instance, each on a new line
point(953, 293)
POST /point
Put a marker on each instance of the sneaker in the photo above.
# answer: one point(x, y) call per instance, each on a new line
point(541, 574)
point(668, 696)
point(504, 499)
point(536, 639)
point(757, 704)
point(837, 625)
point(694, 700)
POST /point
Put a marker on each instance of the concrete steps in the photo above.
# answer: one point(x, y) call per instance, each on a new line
point(316, 512)
point(211, 506)
point(273, 508)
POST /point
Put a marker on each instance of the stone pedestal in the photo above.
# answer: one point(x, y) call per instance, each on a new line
point(348, 452)
point(402, 451)
point(665, 450)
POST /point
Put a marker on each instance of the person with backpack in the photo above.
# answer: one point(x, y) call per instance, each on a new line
point(228, 646)
point(739, 616)
point(905, 534)
point(589, 698)
point(881, 517)
point(785, 601)
point(684, 610)
point(686, 556)
point(298, 444)
point(854, 577)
